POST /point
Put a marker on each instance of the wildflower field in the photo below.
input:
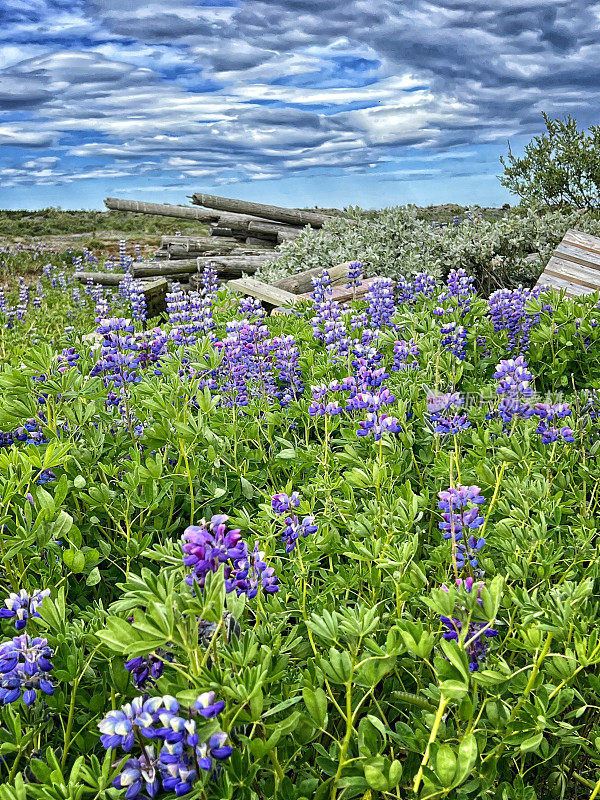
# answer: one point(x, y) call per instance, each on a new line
point(342, 552)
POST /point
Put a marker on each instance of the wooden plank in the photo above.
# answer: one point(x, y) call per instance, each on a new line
point(341, 294)
point(573, 272)
point(301, 282)
point(579, 255)
point(292, 216)
point(270, 295)
point(571, 289)
point(583, 240)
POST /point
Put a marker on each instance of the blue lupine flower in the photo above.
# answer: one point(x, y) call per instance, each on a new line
point(355, 271)
point(23, 605)
point(461, 512)
point(473, 637)
point(281, 503)
point(25, 669)
point(171, 731)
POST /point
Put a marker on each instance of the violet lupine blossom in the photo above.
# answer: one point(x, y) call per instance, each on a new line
point(355, 273)
point(172, 751)
point(178, 307)
point(509, 311)
point(210, 284)
point(118, 361)
point(39, 295)
point(294, 527)
point(67, 359)
point(25, 668)
point(446, 415)
point(251, 308)
point(22, 606)
point(23, 300)
point(422, 285)
point(403, 352)
point(281, 503)
point(513, 388)
point(380, 298)
point(328, 327)
point(321, 287)
point(209, 545)
point(286, 358)
point(548, 431)
point(138, 301)
point(461, 287)
point(470, 633)
point(461, 511)
point(454, 339)
point(376, 425)
point(146, 670)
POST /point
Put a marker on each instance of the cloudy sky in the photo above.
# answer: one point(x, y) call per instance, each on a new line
point(301, 102)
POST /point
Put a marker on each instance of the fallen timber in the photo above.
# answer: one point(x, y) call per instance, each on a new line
point(301, 282)
point(291, 216)
point(161, 209)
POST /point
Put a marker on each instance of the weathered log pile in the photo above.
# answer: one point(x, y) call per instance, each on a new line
point(243, 238)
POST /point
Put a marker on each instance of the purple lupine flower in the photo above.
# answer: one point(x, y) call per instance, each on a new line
point(403, 351)
point(119, 725)
point(454, 339)
point(25, 669)
point(281, 503)
point(355, 272)
point(509, 310)
point(294, 528)
point(140, 775)
point(381, 302)
point(321, 287)
point(67, 359)
point(461, 510)
point(22, 606)
point(119, 360)
point(188, 740)
point(286, 355)
point(548, 414)
point(146, 670)
point(39, 295)
point(251, 308)
point(138, 301)
point(445, 413)
point(459, 286)
point(377, 424)
point(468, 632)
point(207, 546)
point(514, 379)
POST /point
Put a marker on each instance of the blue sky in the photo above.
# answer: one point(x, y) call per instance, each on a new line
point(298, 102)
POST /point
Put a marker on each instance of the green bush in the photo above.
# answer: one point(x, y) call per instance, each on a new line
point(396, 243)
point(559, 168)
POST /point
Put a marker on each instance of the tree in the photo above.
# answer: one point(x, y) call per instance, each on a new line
point(559, 168)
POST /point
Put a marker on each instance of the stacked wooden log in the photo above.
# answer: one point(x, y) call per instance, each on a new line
point(243, 237)
point(256, 223)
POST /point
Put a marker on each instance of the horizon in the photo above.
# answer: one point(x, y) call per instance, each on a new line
point(294, 102)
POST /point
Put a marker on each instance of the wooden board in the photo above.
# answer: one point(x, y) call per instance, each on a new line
point(301, 282)
point(270, 295)
point(581, 239)
point(575, 265)
point(578, 255)
point(571, 289)
point(341, 294)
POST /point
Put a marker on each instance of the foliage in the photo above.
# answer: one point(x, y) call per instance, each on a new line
point(397, 243)
point(53, 221)
point(372, 671)
point(559, 168)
